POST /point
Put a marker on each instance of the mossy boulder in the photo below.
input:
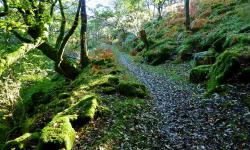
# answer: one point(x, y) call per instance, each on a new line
point(226, 66)
point(58, 134)
point(23, 142)
point(185, 53)
point(199, 74)
point(212, 38)
point(132, 89)
point(159, 54)
point(204, 58)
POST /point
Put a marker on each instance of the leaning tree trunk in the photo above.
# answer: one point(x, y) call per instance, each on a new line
point(11, 58)
point(66, 68)
point(187, 14)
point(84, 60)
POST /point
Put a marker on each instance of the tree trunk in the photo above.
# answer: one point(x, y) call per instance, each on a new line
point(187, 14)
point(6, 8)
point(84, 60)
point(11, 58)
point(66, 68)
point(159, 9)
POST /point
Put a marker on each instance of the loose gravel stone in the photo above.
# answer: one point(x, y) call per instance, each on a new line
point(189, 120)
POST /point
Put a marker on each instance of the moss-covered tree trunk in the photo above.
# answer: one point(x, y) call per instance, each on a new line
point(11, 58)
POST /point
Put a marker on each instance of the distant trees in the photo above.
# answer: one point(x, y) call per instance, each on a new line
point(160, 5)
point(31, 21)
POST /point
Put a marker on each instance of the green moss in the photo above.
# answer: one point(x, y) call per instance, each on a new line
point(110, 81)
point(185, 53)
point(58, 134)
point(226, 65)
point(233, 39)
point(159, 54)
point(22, 142)
point(132, 89)
point(109, 90)
point(85, 109)
point(63, 95)
point(27, 124)
point(199, 74)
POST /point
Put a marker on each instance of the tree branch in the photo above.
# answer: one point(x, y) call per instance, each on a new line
point(63, 24)
point(53, 4)
point(20, 37)
point(68, 35)
point(6, 8)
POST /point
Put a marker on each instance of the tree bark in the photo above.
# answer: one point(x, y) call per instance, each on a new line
point(84, 60)
point(60, 63)
point(63, 25)
point(66, 68)
point(187, 14)
point(6, 8)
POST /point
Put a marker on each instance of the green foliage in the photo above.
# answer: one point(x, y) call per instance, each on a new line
point(242, 12)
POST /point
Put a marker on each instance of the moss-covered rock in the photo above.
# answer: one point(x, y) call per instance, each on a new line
point(132, 89)
point(185, 53)
point(204, 58)
point(159, 54)
point(58, 134)
point(199, 74)
point(23, 142)
point(225, 67)
point(211, 39)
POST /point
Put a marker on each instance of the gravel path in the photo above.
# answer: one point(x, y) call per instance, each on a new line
point(190, 121)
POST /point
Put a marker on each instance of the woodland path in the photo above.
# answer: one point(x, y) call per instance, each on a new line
point(190, 121)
